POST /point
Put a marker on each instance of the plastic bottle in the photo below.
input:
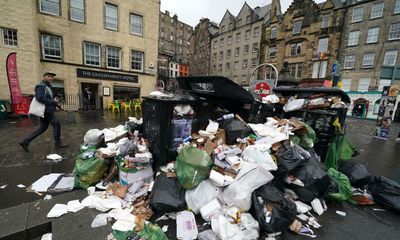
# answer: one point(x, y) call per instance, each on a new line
point(226, 116)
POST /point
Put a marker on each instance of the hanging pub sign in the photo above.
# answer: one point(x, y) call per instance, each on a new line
point(262, 88)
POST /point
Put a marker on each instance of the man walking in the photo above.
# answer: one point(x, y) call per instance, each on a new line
point(44, 94)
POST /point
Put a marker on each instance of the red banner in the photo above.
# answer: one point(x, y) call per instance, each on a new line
point(13, 82)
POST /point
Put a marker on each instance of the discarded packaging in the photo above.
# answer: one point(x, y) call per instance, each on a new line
point(343, 214)
point(186, 227)
point(57, 211)
point(100, 220)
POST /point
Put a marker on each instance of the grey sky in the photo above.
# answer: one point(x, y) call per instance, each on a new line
point(191, 11)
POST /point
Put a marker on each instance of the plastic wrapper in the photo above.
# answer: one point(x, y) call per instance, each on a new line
point(192, 167)
point(201, 195)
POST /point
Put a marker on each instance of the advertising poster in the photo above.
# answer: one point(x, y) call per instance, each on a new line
point(385, 113)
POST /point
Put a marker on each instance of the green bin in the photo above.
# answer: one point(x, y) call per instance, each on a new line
point(3, 109)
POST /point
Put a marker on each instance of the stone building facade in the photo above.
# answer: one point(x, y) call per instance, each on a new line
point(173, 47)
point(370, 43)
point(200, 44)
point(235, 51)
point(109, 46)
point(306, 39)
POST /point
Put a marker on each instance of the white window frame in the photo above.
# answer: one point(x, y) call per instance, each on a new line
point(296, 70)
point(246, 49)
point(136, 26)
point(273, 33)
point(13, 40)
point(296, 47)
point(237, 51)
point(353, 38)
point(368, 62)
point(110, 17)
point(119, 57)
point(377, 10)
point(229, 40)
point(373, 35)
point(352, 58)
point(74, 7)
point(385, 60)
point(323, 44)
point(394, 30)
point(325, 21)
point(136, 61)
point(346, 84)
point(397, 7)
point(319, 69)
point(238, 36)
point(51, 2)
point(85, 53)
point(357, 17)
point(48, 56)
point(362, 84)
point(297, 27)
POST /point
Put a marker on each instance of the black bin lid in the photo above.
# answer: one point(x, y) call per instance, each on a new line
point(215, 87)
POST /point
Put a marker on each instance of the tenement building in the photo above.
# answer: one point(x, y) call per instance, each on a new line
point(200, 44)
point(173, 56)
point(109, 46)
point(304, 41)
point(235, 51)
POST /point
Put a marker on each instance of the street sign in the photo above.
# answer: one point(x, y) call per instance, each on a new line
point(336, 69)
point(262, 88)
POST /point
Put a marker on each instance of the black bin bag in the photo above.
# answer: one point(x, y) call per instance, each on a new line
point(235, 129)
point(357, 173)
point(282, 211)
point(315, 178)
point(167, 195)
point(291, 157)
point(386, 192)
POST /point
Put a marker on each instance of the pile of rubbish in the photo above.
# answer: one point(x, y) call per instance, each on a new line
point(246, 180)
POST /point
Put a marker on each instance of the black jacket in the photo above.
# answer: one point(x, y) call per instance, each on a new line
point(42, 95)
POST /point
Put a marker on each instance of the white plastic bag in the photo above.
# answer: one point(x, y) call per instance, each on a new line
point(100, 220)
point(201, 195)
point(259, 154)
point(246, 229)
point(36, 108)
point(250, 177)
point(294, 105)
point(92, 136)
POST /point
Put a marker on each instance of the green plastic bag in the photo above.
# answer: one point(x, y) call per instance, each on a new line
point(347, 150)
point(152, 232)
point(305, 140)
point(333, 153)
point(88, 171)
point(344, 185)
point(192, 166)
point(119, 235)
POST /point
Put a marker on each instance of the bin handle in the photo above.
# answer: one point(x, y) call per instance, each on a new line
point(267, 64)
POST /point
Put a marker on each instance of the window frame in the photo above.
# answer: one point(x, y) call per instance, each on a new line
point(119, 57)
point(297, 67)
point(105, 16)
point(349, 81)
point(84, 54)
point(361, 15)
point(50, 13)
point(238, 37)
point(275, 31)
point(375, 35)
point(321, 71)
point(325, 19)
point(84, 12)
point(255, 47)
point(237, 51)
point(372, 10)
point(246, 49)
point(396, 7)
point(319, 44)
point(4, 40)
point(349, 43)
point(130, 24)
point(247, 34)
point(131, 60)
point(299, 24)
point(256, 32)
point(296, 48)
point(229, 40)
point(353, 56)
point(395, 58)
point(359, 84)
point(43, 47)
point(396, 32)
point(269, 52)
point(363, 60)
